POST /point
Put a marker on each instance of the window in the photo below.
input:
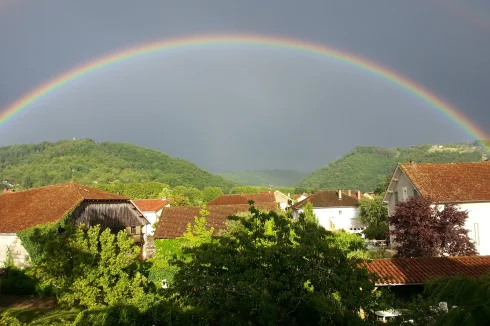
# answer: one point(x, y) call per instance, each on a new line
point(340, 212)
point(476, 234)
point(396, 197)
point(133, 230)
point(404, 193)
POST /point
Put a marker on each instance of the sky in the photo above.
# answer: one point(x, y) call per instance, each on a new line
point(231, 107)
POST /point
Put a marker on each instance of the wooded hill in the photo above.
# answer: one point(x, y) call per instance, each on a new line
point(366, 167)
point(266, 178)
point(87, 162)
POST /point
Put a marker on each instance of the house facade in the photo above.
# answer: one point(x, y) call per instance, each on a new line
point(335, 209)
point(464, 184)
point(25, 209)
point(151, 209)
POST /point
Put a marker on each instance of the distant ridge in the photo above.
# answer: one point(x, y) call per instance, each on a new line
point(365, 168)
point(88, 162)
point(266, 178)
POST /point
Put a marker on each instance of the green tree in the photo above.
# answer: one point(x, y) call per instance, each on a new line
point(466, 300)
point(272, 270)
point(374, 214)
point(92, 268)
point(309, 214)
point(210, 193)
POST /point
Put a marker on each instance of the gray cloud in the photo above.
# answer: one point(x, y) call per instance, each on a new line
point(243, 107)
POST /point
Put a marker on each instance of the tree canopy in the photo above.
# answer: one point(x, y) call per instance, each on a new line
point(272, 270)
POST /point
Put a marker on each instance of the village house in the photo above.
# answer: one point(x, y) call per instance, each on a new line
point(174, 220)
point(270, 197)
point(151, 209)
point(465, 184)
point(335, 209)
point(25, 209)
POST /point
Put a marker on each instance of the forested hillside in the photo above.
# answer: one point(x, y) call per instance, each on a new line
point(88, 162)
point(365, 167)
point(266, 178)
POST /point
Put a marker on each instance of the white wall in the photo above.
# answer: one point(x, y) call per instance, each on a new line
point(341, 217)
point(152, 218)
point(478, 213)
point(10, 240)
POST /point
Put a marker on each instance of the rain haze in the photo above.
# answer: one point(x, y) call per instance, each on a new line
point(245, 107)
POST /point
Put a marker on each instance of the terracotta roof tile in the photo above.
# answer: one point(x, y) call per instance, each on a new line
point(418, 270)
point(328, 198)
point(150, 205)
point(451, 182)
point(24, 209)
point(260, 198)
point(173, 221)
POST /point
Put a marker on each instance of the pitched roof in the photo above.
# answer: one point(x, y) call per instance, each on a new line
point(403, 271)
point(173, 222)
point(150, 205)
point(260, 198)
point(295, 197)
point(24, 209)
point(450, 182)
point(328, 198)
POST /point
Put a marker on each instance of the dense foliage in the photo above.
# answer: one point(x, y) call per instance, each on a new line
point(421, 229)
point(88, 268)
point(271, 270)
point(366, 167)
point(87, 162)
point(374, 214)
point(266, 178)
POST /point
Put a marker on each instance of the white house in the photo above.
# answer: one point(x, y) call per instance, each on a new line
point(335, 209)
point(464, 184)
point(151, 209)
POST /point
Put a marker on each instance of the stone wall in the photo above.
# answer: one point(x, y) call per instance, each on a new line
point(10, 241)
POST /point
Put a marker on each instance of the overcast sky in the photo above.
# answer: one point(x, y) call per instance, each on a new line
point(253, 107)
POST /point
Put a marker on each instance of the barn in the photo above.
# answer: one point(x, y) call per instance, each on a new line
point(25, 209)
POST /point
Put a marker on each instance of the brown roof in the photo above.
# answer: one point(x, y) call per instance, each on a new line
point(451, 182)
point(24, 209)
point(328, 198)
point(150, 205)
point(417, 270)
point(173, 222)
point(260, 198)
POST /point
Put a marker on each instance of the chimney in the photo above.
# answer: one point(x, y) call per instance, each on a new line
point(164, 197)
point(349, 192)
point(358, 194)
point(5, 190)
point(340, 194)
point(411, 162)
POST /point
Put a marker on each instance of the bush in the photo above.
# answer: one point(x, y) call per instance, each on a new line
point(161, 314)
point(16, 281)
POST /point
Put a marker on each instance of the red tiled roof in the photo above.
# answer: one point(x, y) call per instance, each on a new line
point(229, 200)
point(328, 198)
point(150, 205)
point(173, 222)
point(451, 182)
point(24, 209)
point(260, 198)
point(418, 270)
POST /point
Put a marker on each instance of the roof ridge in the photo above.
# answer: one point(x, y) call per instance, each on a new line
point(42, 187)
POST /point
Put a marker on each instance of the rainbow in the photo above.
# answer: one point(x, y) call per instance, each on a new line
point(394, 78)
